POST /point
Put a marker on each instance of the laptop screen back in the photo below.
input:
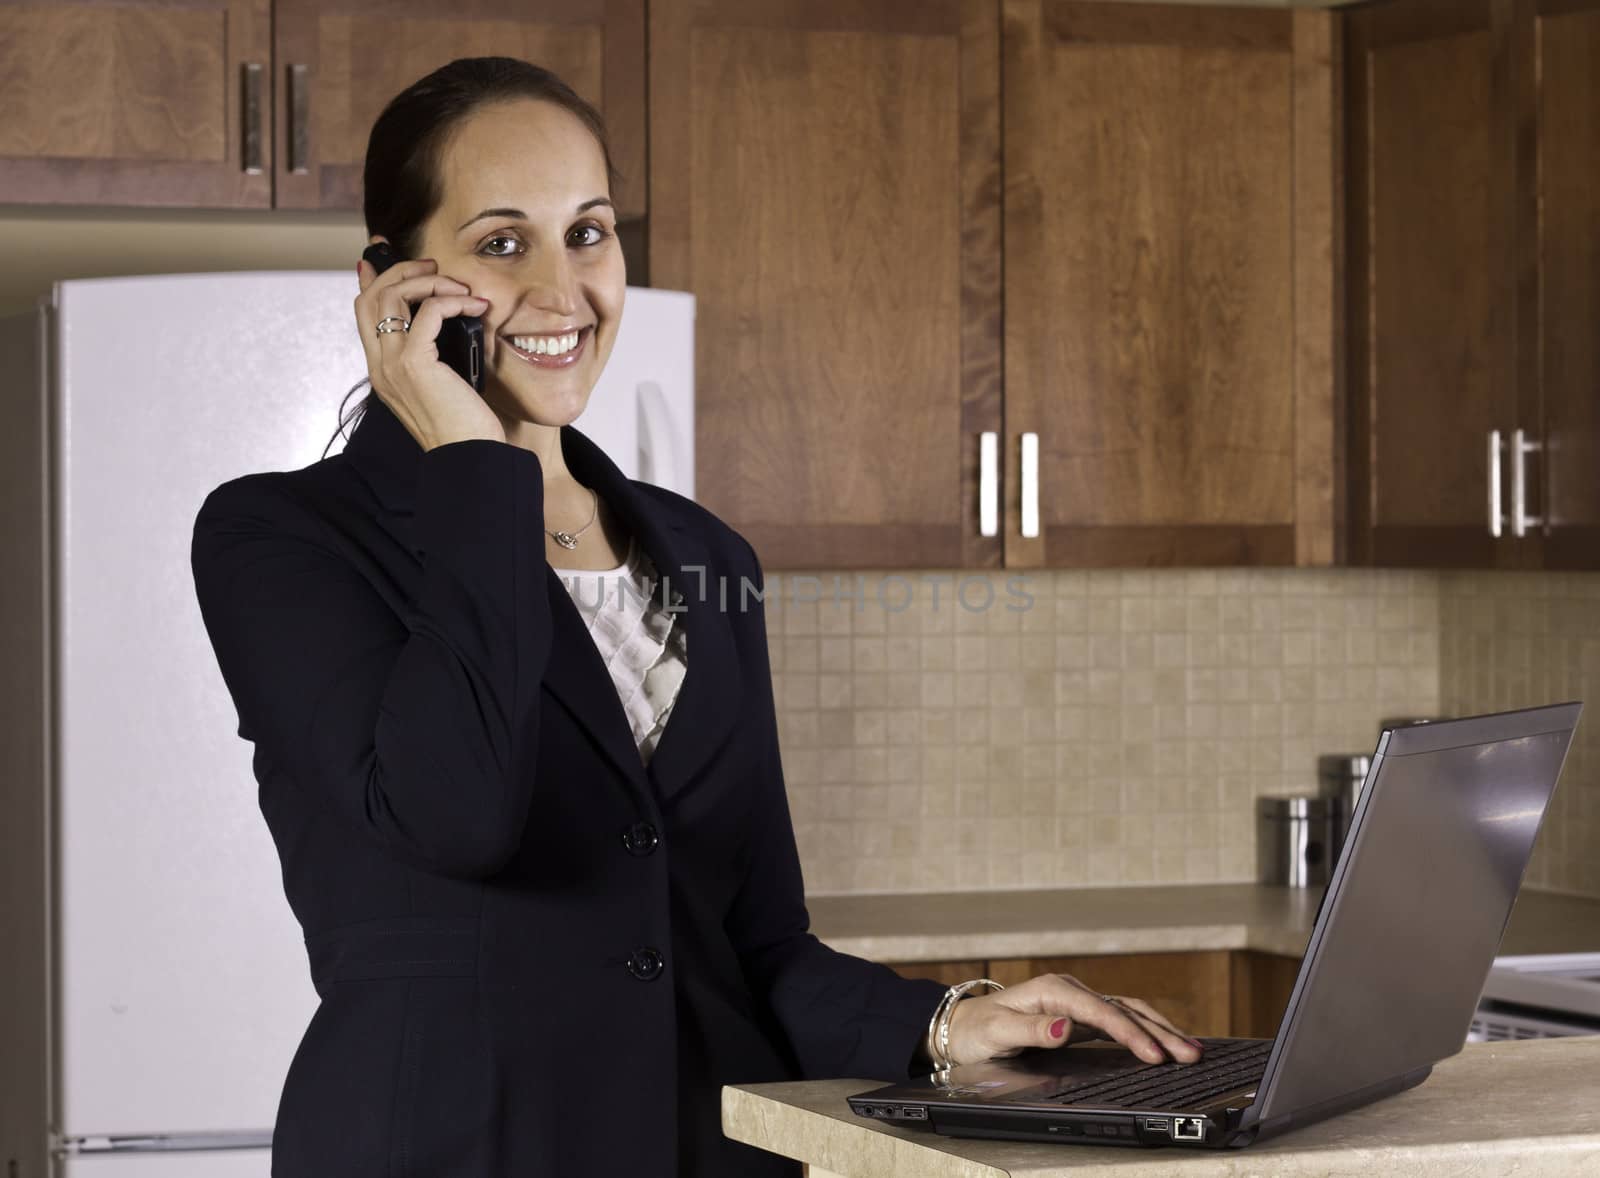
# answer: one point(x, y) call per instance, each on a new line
point(1414, 914)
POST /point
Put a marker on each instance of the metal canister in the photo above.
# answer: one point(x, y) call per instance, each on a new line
point(1294, 840)
point(1339, 778)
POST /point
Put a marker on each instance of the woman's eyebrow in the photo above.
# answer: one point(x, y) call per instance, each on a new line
point(522, 216)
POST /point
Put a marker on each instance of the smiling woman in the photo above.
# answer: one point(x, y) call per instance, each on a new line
point(548, 882)
point(497, 175)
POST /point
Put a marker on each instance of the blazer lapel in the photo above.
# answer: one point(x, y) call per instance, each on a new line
point(703, 715)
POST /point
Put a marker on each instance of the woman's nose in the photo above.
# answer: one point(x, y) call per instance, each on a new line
point(550, 285)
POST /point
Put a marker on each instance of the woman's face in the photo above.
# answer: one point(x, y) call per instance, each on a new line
point(526, 222)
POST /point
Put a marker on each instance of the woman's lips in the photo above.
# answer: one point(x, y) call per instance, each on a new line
point(565, 360)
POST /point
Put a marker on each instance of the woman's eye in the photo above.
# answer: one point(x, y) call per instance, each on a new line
point(599, 234)
point(500, 253)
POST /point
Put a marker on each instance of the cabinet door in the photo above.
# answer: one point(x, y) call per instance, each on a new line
point(1567, 36)
point(339, 62)
point(1261, 986)
point(948, 972)
point(1432, 278)
point(1170, 313)
point(1190, 989)
point(153, 102)
point(824, 177)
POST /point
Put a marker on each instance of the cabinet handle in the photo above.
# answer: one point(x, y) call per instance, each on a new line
point(1030, 485)
point(250, 119)
point(988, 483)
point(1497, 517)
point(299, 120)
point(1520, 449)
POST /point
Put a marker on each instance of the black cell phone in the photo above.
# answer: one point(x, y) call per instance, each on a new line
point(460, 339)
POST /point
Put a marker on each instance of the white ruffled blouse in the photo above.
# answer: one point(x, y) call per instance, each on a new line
point(639, 642)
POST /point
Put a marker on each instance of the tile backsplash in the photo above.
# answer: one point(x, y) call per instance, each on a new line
point(1511, 640)
point(1063, 728)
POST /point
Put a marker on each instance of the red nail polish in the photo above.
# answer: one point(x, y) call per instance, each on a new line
point(1058, 1028)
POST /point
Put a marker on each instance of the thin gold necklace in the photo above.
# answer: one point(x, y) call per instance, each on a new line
point(569, 540)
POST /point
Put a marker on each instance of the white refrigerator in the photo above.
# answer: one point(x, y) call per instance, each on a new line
point(153, 983)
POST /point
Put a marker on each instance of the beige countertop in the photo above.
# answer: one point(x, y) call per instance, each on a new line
point(1529, 1107)
point(989, 925)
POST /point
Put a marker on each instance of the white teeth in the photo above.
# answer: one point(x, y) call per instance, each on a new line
point(546, 345)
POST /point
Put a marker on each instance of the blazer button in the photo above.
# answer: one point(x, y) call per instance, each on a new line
point(640, 838)
point(645, 964)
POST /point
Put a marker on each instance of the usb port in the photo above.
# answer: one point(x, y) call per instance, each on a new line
point(915, 1113)
point(1157, 1125)
point(1189, 1129)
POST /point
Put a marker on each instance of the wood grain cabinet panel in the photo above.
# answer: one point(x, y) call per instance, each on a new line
point(824, 178)
point(111, 103)
point(339, 61)
point(1190, 989)
point(1566, 38)
point(1259, 991)
point(256, 103)
point(948, 972)
point(1214, 992)
point(1170, 316)
point(1432, 184)
point(1473, 293)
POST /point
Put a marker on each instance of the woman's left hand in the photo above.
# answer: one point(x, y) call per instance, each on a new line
point(1001, 1024)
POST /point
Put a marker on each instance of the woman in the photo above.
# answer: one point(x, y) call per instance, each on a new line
point(545, 928)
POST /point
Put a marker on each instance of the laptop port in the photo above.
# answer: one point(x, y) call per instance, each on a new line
point(915, 1113)
point(1156, 1125)
point(1189, 1129)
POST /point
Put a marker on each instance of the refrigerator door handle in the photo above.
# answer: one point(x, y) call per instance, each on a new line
point(251, 150)
point(659, 457)
point(121, 1143)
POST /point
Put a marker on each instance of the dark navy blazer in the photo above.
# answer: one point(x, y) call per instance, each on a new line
point(536, 957)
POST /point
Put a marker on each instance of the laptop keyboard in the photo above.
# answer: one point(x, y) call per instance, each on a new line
point(1227, 1065)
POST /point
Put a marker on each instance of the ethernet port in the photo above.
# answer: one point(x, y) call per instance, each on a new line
point(1188, 1129)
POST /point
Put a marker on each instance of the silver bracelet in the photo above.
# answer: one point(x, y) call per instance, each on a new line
point(938, 1040)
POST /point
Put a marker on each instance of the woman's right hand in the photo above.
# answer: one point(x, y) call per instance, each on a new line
point(426, 394)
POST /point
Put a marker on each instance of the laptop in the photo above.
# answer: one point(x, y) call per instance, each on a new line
point(1404, 937)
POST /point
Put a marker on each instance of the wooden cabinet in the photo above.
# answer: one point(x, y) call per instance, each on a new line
point(1259, 988)
point(947, 972)
point(339, 61)
point(162, 102)
point(1218, 992)
point(1474, 216)
point(1190, 989)
point(251, 103)
point(1169, 284)
point(1566, 42)
point(825, 178)
point(1431, 272)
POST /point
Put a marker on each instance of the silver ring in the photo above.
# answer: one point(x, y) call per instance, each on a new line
point(405, 325)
